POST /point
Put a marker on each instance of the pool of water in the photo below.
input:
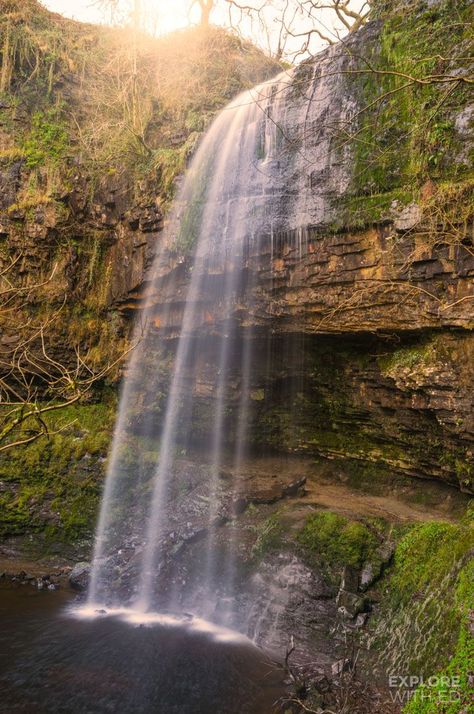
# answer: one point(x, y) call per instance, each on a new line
point(55, 659)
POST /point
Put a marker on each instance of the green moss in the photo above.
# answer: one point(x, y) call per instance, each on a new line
point(464, 472)
point(451, 690)
point(53, 484)
point(424, 557)
point(195, 121)
point(169, 163)
point(273, 427)
point(459, 461)
point(409, 357)
point(441, 697)
point(416, 134)
point(48, 139)
point(355, 442)
point(362, 211)
point(334, 541)
point(406, 133)
point(422, 619)
point(190, 224)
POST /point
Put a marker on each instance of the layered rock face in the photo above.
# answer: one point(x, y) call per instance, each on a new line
point(360, 303)
point(358, 289)
point(381, 279)
point(126, 230)
point(400, 404)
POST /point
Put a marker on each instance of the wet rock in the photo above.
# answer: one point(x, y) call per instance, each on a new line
point(361, 619)
point(350, 579)
point(340, 667)
point(407, 218)
point(321, 683)
point(349, 601)
point(374, 568)
point(287, 598)
point(368, 576)
point(463, 121)
point(238, 506)
point(350, 604)
point(79, 576)
point(294, 488)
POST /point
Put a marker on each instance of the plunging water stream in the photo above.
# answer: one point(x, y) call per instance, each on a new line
point(248, 185)
point(228, 200)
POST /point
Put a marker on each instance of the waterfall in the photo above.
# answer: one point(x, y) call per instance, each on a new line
point(223, 208)
point(245, 196)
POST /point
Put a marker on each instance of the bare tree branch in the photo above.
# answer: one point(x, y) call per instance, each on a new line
point(33, 381)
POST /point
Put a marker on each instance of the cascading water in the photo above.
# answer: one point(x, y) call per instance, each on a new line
point(224, 205)
point(236, 194)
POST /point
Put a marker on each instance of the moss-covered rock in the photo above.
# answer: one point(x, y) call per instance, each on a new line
point(414, 138)
point(450, 690)
point(423, 619)
point(383, 407)
point(333, 542)
point(53, 485)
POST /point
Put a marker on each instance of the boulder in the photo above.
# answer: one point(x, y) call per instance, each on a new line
point(350, 605)
point(374, 567)
point(79, 576)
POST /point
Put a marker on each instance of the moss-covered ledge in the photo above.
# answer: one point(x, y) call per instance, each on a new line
point(52, 486)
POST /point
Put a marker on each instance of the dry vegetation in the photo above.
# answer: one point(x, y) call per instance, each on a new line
point(87, 110)
point(87, 113)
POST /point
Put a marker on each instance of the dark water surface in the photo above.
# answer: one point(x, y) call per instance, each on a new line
point(53, 662)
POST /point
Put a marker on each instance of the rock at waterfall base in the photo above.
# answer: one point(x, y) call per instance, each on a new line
point(79, 576)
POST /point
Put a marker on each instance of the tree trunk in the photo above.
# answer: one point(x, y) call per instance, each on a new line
point(206, 7)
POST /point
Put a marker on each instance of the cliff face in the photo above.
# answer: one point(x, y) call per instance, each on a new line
point(362, 283)
point(383, 405)
point(362, 299)
point(95, 128)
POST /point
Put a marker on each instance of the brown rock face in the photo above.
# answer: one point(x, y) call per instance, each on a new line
point(402, 405)
point(374, 280)
point(126, 233)
point(368, 339)
point(90, 149)
point(361, 330)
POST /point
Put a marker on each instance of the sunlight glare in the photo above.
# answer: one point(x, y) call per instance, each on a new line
point(161, 15)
